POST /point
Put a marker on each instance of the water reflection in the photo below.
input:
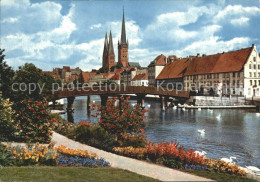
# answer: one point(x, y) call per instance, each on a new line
point(227, 132)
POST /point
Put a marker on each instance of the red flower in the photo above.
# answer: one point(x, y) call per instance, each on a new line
point(26, 136)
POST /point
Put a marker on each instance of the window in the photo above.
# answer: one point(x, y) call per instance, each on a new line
point(255, 83)
point(259, 66)
point(250, 67)
point(238, 83)
point(234, 74)
point(238, 74)
point(258, 75)
point(254, 66)
point(254, 59)
point(251, 82)
point(254, 74)
point(250, 74)
point(234, 82)
point(259, 82)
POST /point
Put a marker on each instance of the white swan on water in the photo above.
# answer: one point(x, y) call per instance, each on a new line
point(202, 153)
point(210, 110)
point(148, 105)
point(199, 109)
point(230, 160)
point(201, 131)
point(253, 169)
point(218, 116)
point(183, 108)
point(174, 107)
point(257, 114)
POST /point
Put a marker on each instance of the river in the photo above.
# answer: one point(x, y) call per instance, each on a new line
point(228, 132)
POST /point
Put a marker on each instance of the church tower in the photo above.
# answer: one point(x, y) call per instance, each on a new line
point(108, 52)
point(105, 53)
point(123, 46)
point(111, 54)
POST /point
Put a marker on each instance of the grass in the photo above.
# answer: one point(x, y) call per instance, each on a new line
point(218, 176)
point(68, 174)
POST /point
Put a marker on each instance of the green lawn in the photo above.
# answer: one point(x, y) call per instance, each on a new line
point(68, 174)
point(218, 176)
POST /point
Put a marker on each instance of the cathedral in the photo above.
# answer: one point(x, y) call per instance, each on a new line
point(109, 54)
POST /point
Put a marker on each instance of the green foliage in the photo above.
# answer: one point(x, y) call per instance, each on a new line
point(6, 157)
point(34, 121)
point(103, 70)
point(136, 141)
point(8, 128)
point(29, 75)
point(121, 119)
point(6, 76)
point(62, 126)
point(95, 136)
point(115, 67)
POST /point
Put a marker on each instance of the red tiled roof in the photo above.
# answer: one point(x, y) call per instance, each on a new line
point(74, 77)
point(55, 76)
point(87, 75)
point(159, 60)
point(175, 69)
point(219, 63)
point(140, 77)
point(116, 77)
point(67, 68)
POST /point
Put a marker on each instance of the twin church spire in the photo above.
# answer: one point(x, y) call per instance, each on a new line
point(108, 52)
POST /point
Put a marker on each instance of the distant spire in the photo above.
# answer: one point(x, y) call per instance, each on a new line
point(105, 45)
point(110, 45)
point(123, 33)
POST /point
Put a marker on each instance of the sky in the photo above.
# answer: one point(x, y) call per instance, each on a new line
point(71, 33)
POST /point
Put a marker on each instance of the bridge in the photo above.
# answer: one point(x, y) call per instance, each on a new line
point(116, 91)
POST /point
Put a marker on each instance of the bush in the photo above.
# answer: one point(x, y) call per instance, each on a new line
point(120, 119)
point(95, 136)
point(62, 126)
point(8, 128)
point(34, 121)
point(6, 157)
point(134, 140)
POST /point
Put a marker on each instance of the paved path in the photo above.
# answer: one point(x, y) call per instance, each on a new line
point(136, 166)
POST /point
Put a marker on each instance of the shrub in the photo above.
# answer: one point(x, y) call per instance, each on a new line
point(62, 126)
point(95, 136)
point(119, 119)
point(34, 121)
point(8, 128)
point(6, 157)
point(134, 140)
point(139, 153)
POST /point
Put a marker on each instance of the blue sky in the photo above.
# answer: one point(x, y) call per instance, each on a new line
point(58, 33)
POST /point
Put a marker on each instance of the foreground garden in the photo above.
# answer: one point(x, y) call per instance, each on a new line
point(25, 118)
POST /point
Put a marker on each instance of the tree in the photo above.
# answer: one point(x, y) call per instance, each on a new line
point(103, 70)
point(6, 76)
point(115, 67)
point(30, 77)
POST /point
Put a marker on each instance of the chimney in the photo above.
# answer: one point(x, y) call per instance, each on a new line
point(253, 45)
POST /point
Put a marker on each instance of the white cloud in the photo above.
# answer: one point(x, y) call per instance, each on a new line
point(240, 21)
point(96, 26)
point(10, 20)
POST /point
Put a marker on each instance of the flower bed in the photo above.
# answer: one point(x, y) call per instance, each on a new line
point(173, 156)
point(61, 156)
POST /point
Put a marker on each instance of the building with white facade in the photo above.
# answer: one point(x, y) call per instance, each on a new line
point(228, 73)
point(140, 80)
point(154, 69)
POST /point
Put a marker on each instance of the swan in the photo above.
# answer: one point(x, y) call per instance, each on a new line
point(133, 104)
point(183, 108)
point(218, 116)
point(253, 169)
point(230, 160)
point(179, 104)
point(174, 107)
point(93, 102)
point(199, 109)
point(202, 153)
point(148, 105)
point(210, 110)
point(201, 131)
point(257, 114)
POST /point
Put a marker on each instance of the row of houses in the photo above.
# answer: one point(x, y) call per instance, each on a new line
point(228, 73)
